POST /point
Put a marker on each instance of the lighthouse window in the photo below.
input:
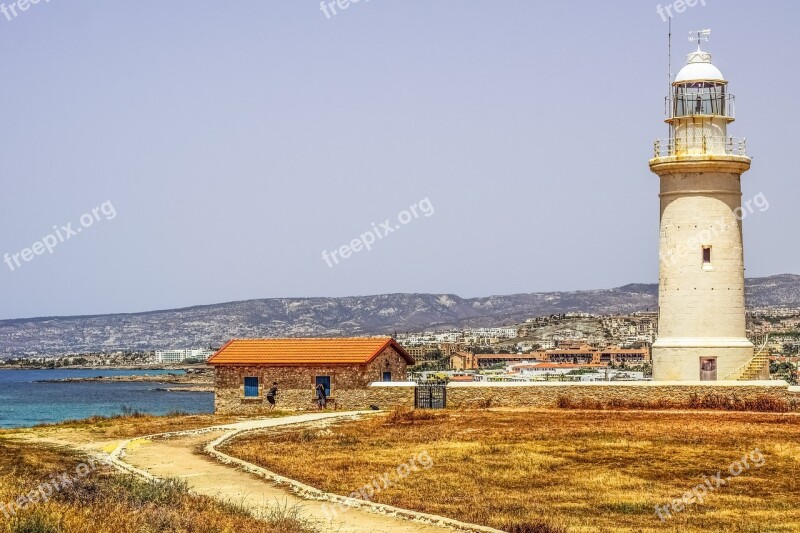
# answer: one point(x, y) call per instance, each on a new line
point(701, 98)
point(706, 255)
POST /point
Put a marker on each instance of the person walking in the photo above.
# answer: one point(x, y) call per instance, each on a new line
point(321, 399)
point(272, 394)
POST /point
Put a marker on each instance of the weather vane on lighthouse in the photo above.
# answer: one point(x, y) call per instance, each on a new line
point(699, 36)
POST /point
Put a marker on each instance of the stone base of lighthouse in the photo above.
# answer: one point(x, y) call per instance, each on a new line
point(702, 327)
point(699, 359)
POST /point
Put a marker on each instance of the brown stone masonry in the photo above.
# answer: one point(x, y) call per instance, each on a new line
point(296, 384)
point(547, 395)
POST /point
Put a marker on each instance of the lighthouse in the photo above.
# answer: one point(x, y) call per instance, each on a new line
point(701, 331)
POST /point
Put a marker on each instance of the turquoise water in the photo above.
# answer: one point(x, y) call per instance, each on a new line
point(23, 402)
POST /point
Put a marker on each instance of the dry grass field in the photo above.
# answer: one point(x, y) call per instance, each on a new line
point(125, 426)
point(104, 501)
point(552, 471)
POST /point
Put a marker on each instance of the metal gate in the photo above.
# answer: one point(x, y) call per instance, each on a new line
point(430, 397)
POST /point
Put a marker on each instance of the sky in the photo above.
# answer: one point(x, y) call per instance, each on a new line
point(169, 154)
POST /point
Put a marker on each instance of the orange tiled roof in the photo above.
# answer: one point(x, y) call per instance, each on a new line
point(300, 351)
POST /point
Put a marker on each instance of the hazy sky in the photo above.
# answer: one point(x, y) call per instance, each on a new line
point(225, 145)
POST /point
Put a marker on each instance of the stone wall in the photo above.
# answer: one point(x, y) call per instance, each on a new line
point(229, 402)
point(383, 397)
point(388, 396)
point(547, 395)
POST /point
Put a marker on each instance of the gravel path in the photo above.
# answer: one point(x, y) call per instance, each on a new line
point(180, 456)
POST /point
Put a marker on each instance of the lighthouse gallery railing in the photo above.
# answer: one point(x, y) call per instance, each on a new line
point(700, 146)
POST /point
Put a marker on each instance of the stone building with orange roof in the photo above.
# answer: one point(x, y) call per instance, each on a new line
point(356, 373)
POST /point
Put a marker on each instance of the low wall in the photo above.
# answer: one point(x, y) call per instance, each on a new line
point(378, 394)
point(548, 395)
point(383, 395)
point(541, 395)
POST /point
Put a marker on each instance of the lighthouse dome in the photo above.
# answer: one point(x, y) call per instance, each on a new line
point(699, 68)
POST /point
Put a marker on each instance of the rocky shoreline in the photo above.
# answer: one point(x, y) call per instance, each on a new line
point(187, 388)
point(193, 382)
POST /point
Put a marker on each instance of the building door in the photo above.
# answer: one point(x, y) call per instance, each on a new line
point(708, 369)
point(387, 376)
point(325, 380)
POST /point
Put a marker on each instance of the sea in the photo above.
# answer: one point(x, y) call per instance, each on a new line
point(25, 402)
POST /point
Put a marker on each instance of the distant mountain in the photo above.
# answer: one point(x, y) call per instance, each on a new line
point(358, 315)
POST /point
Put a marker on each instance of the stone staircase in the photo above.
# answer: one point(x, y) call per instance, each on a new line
point(756, 368)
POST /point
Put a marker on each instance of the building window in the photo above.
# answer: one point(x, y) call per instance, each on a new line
point(251, 387)
point(387, 376)
point(326, 381)
point(706, 255)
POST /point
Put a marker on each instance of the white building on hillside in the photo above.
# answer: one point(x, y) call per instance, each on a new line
point(179, 356)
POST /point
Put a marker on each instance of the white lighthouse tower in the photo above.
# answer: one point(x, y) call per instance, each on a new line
point(701, 332)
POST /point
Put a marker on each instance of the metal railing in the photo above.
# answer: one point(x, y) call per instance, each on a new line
point(737, 374)
point(751, 366)
point(700, 146)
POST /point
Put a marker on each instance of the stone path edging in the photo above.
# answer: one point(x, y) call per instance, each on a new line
point(114, 459)
point(310, 493)
point(300, 489)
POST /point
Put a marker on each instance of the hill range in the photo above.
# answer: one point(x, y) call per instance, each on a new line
point(212, 325)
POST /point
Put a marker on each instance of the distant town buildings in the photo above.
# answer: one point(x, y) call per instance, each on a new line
point(574, 345)
point(571, 372)
point(536, 336)
point(567, 352)
point(179, 356)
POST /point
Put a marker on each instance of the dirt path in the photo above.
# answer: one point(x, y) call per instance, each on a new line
point(181, 456)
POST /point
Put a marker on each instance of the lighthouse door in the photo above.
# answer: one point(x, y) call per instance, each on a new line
point(708, 369)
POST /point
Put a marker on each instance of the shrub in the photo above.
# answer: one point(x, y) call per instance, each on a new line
point(36, 522)
point(563, 402)
point(308, 435)
point(484, 403)
point(346, 440)
point(633, 508)
point(287, 518)
point(125, 489)
point(711, 401)
point(405, 416)
point(536, 527)
point(132, 412)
